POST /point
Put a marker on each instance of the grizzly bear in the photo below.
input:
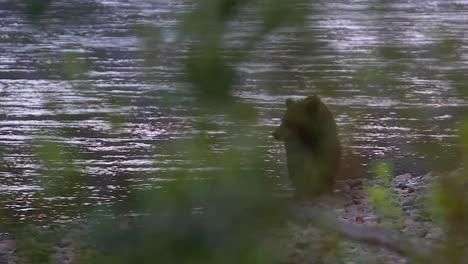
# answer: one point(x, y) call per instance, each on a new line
point(313, 149)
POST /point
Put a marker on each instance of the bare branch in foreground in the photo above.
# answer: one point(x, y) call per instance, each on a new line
point(373, 236)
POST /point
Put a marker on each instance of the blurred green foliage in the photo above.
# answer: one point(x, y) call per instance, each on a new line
point(35, 246)
point(35, 8)
point(219, 215)
point(210, 64)
point(381, 195)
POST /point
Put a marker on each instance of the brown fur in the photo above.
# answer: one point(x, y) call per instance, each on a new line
point(313, 149)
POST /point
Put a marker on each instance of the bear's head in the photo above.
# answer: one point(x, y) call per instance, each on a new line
point(297, 123)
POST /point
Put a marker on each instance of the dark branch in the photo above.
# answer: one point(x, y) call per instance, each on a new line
point(374, 236)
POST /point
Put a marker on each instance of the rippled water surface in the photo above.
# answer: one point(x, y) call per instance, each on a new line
point(346, 41)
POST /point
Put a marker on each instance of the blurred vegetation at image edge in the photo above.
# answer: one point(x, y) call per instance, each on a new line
point(221, 219)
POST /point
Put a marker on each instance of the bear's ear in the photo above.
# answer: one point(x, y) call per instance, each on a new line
point(313, 104)
point(289, 103)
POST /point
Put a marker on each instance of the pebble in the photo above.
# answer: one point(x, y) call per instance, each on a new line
point(6, 246)
point(421, 232)
point(434, 233)
point(432, 236)
point(408, 201)
point(403, 178)
point(407, 208)
point(402, 186)
point(339, 211)
point(416, 217)
point(371, 218)
point(408, 222)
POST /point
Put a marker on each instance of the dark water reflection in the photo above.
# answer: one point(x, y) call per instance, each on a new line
point(383, 115)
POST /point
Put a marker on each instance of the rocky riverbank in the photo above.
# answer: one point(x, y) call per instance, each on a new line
point(409, 217)
point(299, 242)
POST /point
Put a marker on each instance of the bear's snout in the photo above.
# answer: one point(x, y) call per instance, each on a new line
point(277, 134)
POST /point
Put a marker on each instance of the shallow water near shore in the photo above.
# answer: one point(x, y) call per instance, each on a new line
point(38, 103)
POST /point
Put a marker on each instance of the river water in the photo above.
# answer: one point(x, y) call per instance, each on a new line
point(383, 114)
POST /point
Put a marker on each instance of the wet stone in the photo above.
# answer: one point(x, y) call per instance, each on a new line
point(6, 246)
point(416, 217)
point(408, 201)
point(403, 178)
point(407, 208)
point(402, 186)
